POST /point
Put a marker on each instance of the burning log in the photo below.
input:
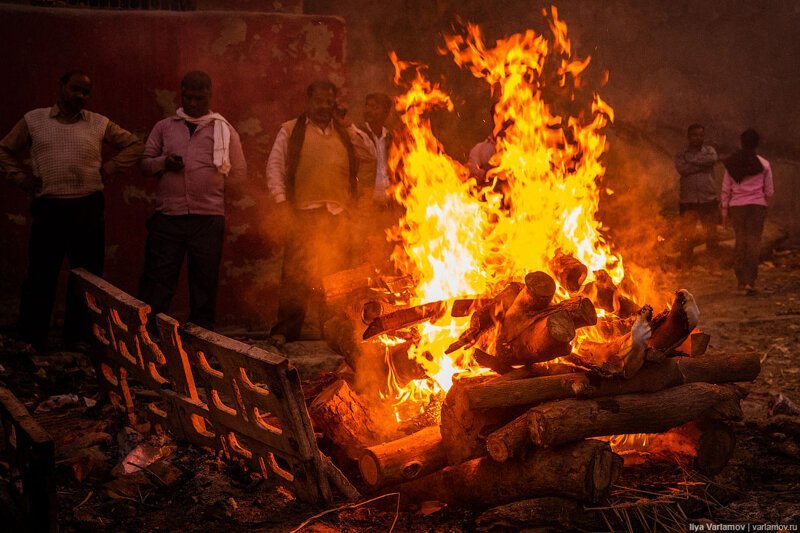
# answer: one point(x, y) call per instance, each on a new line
point(624, 355)
point(487, 317)
point(709, 444)
point(464, 306)
point(571, 420)
point(606, 295)
point(463, 429)
point(344, 282)
point(671, 328)
point(584, 470)
point(404, 459)
point(653, 377)
point(547, 338)
point(341, 414)
point(404, 318)
point(535, 296)
point(569, 272)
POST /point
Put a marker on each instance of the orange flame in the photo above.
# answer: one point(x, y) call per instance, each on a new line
point(461, 238)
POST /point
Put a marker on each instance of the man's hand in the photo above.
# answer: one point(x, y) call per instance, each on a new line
point(173, 163)
point(26, 181)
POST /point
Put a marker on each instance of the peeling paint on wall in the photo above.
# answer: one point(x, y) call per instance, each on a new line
point(234, 32)
point(166, 101)
point(131, 193)
point(244, 202)
point(249, 126)
point(19, 220)
point(234, 232)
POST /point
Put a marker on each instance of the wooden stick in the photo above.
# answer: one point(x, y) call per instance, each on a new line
point(405, 317)
point(569, 272)
point(584, 470)
point(404, 459)
point(572, 420)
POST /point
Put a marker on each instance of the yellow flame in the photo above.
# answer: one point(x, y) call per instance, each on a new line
point(461, 238)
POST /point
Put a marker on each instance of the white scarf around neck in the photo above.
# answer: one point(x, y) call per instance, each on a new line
point(222, 137)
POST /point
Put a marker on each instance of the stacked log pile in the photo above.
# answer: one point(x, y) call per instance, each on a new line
point(556, 416)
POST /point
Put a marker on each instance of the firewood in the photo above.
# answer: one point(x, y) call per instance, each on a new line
point(341, 283)
point(564, 513)
point(569, 272)
point(672, 328)
point(584, 470)
point(546, 338)
point(466, 306)
point(404, 459)
point(504, 392)
point(463, 429)
point(405, 317)
point(708, 444)
point(339, 413)
point(786, 424)
point(624, 355)
point(535, 295)
point(487, 316)
point(606, 295)
point(398, 285)
point(571, 420)
point(698, 343)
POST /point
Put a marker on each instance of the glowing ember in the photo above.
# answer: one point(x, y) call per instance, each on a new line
point(460, 238)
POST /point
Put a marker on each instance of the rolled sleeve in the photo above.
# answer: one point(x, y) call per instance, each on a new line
point(276, 167)
point(153, 158)
point(127, 143)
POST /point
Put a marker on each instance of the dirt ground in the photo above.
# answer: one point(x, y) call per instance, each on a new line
point(195, 491)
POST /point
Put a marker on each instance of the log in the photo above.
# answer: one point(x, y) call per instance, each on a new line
point(535, 295)
point(653, 377)
point(341, 415)
point(398, 285)
point(708, 444)
point(404, 459)
point(463, 429)
point(405, 317)
point(786, 424)
point(344, 282)
point(572, 420)
point(670, 329)
point(564, 513)
point(568, 271)
point(584, 471)
point(465, 306)
point(624, 355)
point(486, 317)
point(606, 295)
point(547, 338)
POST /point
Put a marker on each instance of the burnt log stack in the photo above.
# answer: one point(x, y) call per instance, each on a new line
point(558, 417)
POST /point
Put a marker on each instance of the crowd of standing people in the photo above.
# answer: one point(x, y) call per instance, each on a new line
point(321, 171)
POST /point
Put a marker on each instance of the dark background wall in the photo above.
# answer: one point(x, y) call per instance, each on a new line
point(730, 64)
point(260, 65)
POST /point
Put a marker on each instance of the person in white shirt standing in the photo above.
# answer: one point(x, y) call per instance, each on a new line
point(312, 177)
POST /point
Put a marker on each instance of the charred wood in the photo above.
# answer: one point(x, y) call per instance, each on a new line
point(404, 459)
point(671, 328)
point(584, 470)
point(571, 420)
point(546, 338)
point(405, 317)
point(569, 272)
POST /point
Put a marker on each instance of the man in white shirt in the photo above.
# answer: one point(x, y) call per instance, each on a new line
point(312, 177)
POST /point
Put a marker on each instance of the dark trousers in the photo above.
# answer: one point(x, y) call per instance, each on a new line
point(170, 238)
point(708, 215)
point(748, 224)
point(71, 227)
point(318, 245)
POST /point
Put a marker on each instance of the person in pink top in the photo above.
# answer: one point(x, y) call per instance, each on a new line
point(746, 191)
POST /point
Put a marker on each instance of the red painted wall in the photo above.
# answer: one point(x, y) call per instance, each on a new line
point(260, 65)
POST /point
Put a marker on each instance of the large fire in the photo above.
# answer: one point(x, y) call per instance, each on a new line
point(461, 238)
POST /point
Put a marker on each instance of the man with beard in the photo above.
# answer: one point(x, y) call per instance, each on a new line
point(67, 211)
point(312, 177)
point(193, 154)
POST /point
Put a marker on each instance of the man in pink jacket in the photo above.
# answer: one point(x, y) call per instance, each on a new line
point(746, 191)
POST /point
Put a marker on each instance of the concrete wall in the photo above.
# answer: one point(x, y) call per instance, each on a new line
point(260, 64)
point(730, 64)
